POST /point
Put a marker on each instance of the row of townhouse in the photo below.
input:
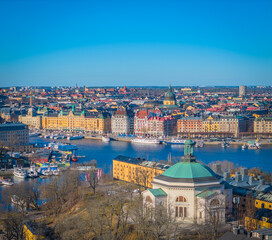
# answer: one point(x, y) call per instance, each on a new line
point(153, 124)
point(224, 124)
point(145, 122)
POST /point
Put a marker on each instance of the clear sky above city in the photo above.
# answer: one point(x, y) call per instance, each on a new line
point(135, 43)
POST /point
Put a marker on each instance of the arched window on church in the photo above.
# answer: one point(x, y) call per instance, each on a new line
point(215, 202)
point(181, 199)
point(148, 199)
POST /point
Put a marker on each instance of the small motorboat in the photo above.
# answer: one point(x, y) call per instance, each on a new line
point(105, 139)
point(32, 173)
point(6, 182)
point(74, 158)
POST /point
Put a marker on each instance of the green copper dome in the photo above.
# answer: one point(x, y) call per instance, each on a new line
point(189, 170)
point(169, 95)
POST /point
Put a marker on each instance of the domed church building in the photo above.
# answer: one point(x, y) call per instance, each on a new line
point(190, 190)
point(170, 99)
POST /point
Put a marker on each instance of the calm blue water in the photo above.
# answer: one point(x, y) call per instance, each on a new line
point(105, 152)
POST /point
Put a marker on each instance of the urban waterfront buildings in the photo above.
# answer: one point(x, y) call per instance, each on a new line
point(203, 112)
point(190, 124)
point(81, 121)
point(263, 125)
point(122, 122)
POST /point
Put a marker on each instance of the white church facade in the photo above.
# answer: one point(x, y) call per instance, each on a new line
point(191, 191)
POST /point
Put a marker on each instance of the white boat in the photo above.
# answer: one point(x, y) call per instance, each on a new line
point(105, 139)
point(176, 141)
point(59, 137)
point(6, 182)
point(32, 173)
point(145, 141)
point(75, 137)
point(54, 169)
point(224, 144)
point(252, 147)
point(258, 144)
point(46, 172)
point(199, 144)
point(19, 173)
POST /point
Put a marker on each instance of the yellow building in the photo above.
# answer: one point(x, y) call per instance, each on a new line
point(262, 219)
point(263, 200)
point(30, 233)
point(263, 125)
point(137, 170)
point(32, 120)
point(211, 124)
point(93, 122)
point(263, 215)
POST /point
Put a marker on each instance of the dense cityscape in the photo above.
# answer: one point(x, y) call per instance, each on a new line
point(39, 124)
point(135, 120)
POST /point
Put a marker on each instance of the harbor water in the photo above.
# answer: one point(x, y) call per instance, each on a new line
point(103, 153)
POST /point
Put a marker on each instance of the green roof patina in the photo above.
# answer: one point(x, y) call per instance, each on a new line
point(158, 192)
point(205, 194)
point(189, 170)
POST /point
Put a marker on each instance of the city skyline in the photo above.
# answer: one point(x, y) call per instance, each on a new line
point(214, 43)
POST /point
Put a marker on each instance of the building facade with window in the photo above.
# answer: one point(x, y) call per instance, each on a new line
point(263, 125)
point(191, 191)
point(122, 122)
point(14, 133)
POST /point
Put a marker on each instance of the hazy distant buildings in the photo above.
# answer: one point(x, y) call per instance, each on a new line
point(242, 91)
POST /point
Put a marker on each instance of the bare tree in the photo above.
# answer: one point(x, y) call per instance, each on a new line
point(213, 221)
point(13, 226)
point(92, 179)
point(250, 213)
point(142, 178)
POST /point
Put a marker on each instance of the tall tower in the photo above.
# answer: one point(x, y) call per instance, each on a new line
point(242, 91)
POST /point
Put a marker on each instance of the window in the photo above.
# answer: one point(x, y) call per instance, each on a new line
point(148, 199)
point(215, 202)
point(181, 212)
point(180, 199)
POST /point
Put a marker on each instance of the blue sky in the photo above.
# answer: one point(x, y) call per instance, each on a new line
point(107, 43)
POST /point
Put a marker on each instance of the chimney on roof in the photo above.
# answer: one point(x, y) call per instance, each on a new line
point(217, 168)
point(251, 179)
point(244, 172)
point(238, 177)
point(226, 176)
point(261, 182)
